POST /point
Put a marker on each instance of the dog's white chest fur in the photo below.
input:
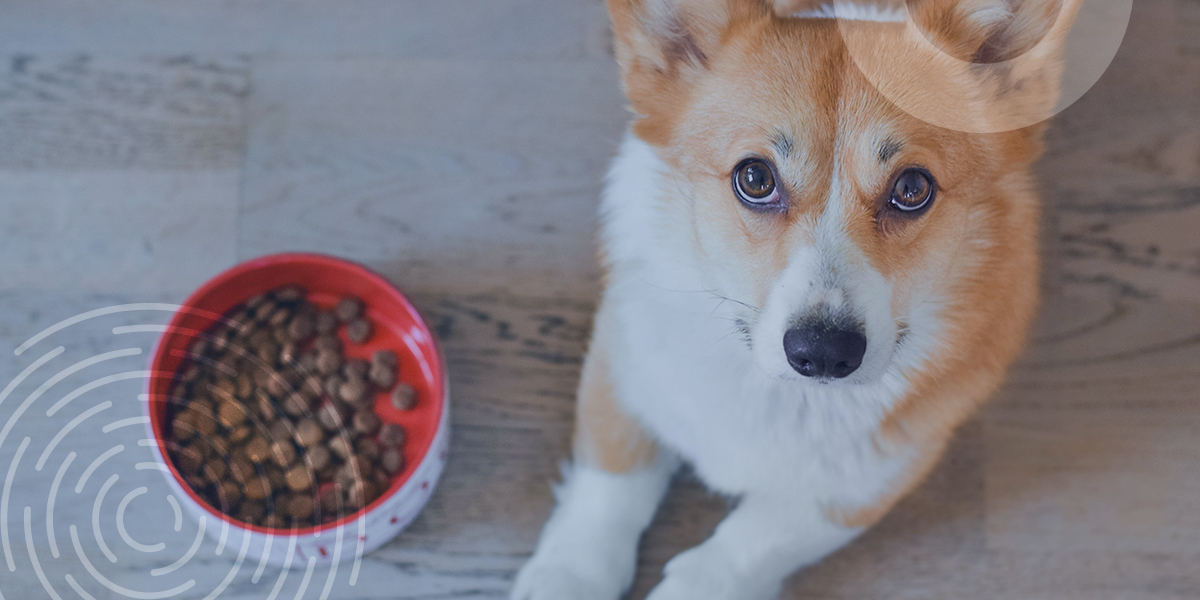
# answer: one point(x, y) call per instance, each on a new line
point(683, 369)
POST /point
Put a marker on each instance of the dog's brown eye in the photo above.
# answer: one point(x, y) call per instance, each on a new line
point(913, 190)
point(754, 182)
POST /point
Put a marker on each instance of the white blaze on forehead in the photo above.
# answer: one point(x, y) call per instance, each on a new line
point(853, 11)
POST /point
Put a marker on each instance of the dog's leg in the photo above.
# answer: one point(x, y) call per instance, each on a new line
point(772, 533)
point(588, 548)
point(753, 551)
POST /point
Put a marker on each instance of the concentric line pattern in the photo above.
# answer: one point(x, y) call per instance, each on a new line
point(77, 471)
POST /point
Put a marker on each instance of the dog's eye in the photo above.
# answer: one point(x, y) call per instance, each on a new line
point(913, 190)
point(754, 182)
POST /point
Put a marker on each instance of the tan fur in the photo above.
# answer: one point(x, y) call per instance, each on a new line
point(735, 74)
point(605, 437)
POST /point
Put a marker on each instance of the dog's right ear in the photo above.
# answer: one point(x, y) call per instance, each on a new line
point(662, 46)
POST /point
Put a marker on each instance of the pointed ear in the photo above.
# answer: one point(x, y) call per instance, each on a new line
point(993, 31)
point(662, 46)
point(666, 34)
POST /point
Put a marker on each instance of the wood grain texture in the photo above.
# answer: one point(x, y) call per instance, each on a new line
point(458, 148)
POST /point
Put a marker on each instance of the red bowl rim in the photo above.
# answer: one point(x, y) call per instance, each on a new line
point(213, 283)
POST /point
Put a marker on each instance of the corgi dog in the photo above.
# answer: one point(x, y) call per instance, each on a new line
point(820, 236)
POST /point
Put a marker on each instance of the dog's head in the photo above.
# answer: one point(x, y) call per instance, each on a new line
point(845, 221)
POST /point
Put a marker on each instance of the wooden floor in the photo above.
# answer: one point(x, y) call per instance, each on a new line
point(146, 145)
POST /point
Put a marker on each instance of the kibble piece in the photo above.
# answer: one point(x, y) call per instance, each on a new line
point(283, 453)
point(318, 457)
point(255, 301)
point(365, 422)
point(330, 416)
point(264, 311)
point(302, 326)
point(280, 336)
point(188, 376)
point(309, 433)
point(189, 459)
point(257, 449)
point(383, 480)
point(356, 368)
point(296, 405)
point(230, 494)
point(359, 331)
point(218, 446)
point(266, 409)
point(242, 471)
point(331, 385)
point(245, 385)
point(277, 386)
point(289, 293)
point(348, 309)
point(327, 323)
point(391, 460)
point(382, 376)
point(308, 361)
point(279, 430)
point(331, 499)
point(252, 512)
point(356, 468)
point(239, 434)
point(183, 426)
point(276, 477)
point(231, 414)
point(386, 358)
point(328, 343)
point(392, 435)
point(240, 317)
point(259, 337)
point(328, 361)
point(404, 397)
point(268, 353)
point(220, 338)
point(342, 447)
point(368, 448)
point(289, 353)
point(361, 493)
point(199, 347)
point(280, 317)
point(206, 424)
point(299, 478)
point(196, 482)
point(273, 521)
point(225, 388)
point(310, 386)
point(215, 470)
point(228, 365)
point(300, 506)
point(353, 392)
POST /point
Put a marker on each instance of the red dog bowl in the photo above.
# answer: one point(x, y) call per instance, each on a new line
point(398, 327)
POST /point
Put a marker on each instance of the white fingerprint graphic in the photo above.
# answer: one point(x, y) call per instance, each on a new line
point(1024, 69)
point(89, 465)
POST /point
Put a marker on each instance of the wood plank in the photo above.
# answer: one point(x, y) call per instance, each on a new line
point(460, 176)
point(89, 113)
point(307, 28)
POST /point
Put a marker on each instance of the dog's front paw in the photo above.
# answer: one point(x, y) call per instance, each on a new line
point(700, 574)
point(542, 580)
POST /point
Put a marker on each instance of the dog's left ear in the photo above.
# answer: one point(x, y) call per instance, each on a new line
point(663, 46)
point(992, 31)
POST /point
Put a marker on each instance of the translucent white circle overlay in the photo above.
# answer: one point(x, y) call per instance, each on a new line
point(1087, 46)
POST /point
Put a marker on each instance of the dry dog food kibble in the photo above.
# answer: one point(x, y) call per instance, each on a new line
point(274, 424)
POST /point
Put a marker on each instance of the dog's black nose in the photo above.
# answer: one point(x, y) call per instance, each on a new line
point(821, 349)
